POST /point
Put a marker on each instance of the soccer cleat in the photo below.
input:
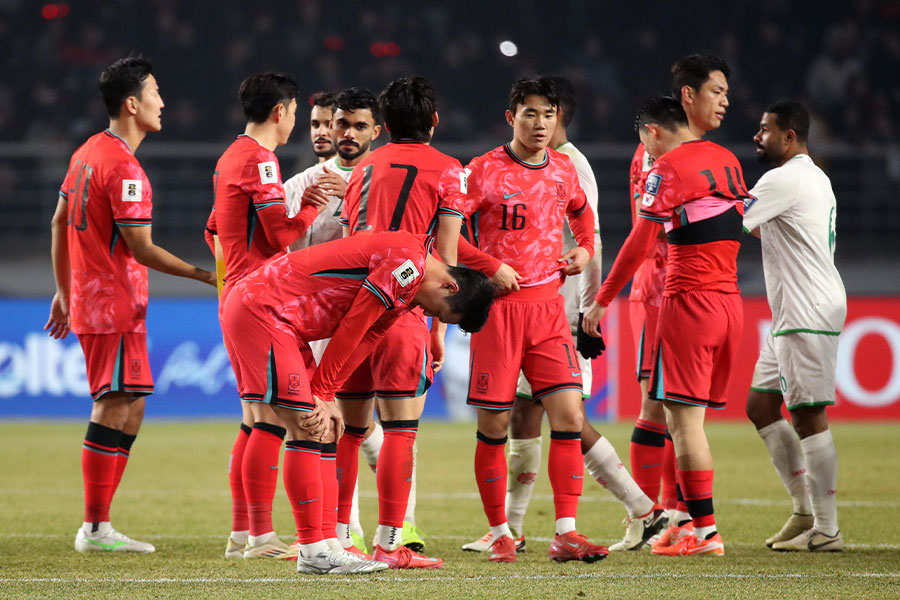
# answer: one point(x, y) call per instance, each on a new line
point(689, 545)
point(641, 529)
point(337, 562)
point(107, 539)
point(672, 534)
point(503, 550)
point(404, 558)
point(795, 525)
point(272, 548)
point(357, 552)
point(574, 546)
point(359, 542)
point(412, 537)
point(234, 550)
point(484, 544)
point(813, 541)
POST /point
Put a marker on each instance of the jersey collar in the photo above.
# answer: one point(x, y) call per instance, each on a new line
point(109, 131)
point(526, 164)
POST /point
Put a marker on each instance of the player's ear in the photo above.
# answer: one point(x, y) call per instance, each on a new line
point(278, 112)
point(434, 120)
point(790, 136)
point(452, 286)
point(130, 105)
point(687, 93)
point(510, 117)
point(376, 130)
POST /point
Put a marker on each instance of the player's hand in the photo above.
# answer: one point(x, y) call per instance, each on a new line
point(506, 279)
point(590, 321)
point(58, 323)
point(335, 418)
point(331, 183)
point(314, 196)
point(589, 346)
point(437, 348)
point(315, 421)
point(577, 259)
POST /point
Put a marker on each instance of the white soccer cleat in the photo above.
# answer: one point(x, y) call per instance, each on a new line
point(337, 562)
point(107, 539)
point(812, 541)
point(641, 529)
point(233, 549)
point(273, 547)
point(794, 526)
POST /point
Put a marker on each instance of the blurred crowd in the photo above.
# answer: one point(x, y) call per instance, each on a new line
point(842, 58)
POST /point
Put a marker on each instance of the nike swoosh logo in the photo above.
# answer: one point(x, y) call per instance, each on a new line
point(106, 547)
point(307, 501)
point(822, 545)
point(575, 374)
point(273, 467)
point(577, 476)
point(493, 479)
point(650, 466)
point(508, 196)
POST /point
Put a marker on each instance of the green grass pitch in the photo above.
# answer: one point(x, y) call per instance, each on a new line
point(175, 494)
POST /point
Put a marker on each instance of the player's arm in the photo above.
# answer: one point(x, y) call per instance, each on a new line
point(58, 324)
point(140, 242)
point(581, 222)
point(353, 340)
point(280, 229)
point(630, 257)
point(770, 197)
point(210, 233)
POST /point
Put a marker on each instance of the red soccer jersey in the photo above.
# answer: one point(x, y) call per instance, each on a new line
point(340, 289)
point(250, 216)
point(697, 191)
point(522, 208)
point(649, 280)
point(106, 189)
point(396, 188)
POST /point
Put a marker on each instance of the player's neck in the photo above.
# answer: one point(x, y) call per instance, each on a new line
point(128, 131)
point(559, 137)
point(526, 154)
point(264, 134)
point(696, 130)
point(791, 153)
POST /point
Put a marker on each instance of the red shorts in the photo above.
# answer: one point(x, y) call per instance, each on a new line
point(270, 364)
point(697, 339)
point(643, 319)
point(400, 366)
point(117, 362)
point(528, 331)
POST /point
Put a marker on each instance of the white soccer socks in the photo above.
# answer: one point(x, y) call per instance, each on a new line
point(787, 456)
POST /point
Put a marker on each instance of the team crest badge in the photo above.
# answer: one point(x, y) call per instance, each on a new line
point(294, 383)
point(131, 190)
point(483, 381)
point(561, 191)
point(135, 368)
point(268, 173)
point(406, 273)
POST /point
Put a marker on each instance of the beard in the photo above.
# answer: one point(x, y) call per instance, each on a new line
point(325, 153)
point(765, 156)
point(351, 151)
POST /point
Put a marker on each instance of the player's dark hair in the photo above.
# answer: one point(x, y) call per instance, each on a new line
point(566, 92)
point(474, 298)
point(355, 98)
point(262, 92)
point(664, 111)
point(122, 79)
point(323, 99)
point(532, 86)
point(694, 70)
point(790, 114)
point(407, 106)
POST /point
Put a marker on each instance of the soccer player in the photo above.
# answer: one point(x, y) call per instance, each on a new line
point(320, 116)
point(101, 248)
point(251, 223)
point(352, 290)
point(523, 192)
point(355, 125)
point(396, 188)
point(600, 458)
point(700, 82)
point(696, 190)
point(792, 210)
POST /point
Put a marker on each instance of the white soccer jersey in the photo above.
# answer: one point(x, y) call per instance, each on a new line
point(326, 226)
point(794, 207)
point(579, 290)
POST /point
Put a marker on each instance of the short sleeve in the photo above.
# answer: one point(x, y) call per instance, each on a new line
point(262, 181)
point(771, 196)
point(395, 275)
point(461, 193)
point(130, 196)
point(662, 192)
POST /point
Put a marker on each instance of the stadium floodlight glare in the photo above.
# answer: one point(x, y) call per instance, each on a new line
point(508, 48)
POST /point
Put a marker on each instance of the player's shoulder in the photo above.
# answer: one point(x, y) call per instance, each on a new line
point(563, 160)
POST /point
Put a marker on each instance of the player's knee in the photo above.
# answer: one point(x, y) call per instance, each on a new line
point(762, 410)
point(111, 410)
point(525, 423)
point(809, 420)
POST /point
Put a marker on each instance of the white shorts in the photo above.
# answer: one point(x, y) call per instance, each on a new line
point(523, 388)
point(800, 367)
